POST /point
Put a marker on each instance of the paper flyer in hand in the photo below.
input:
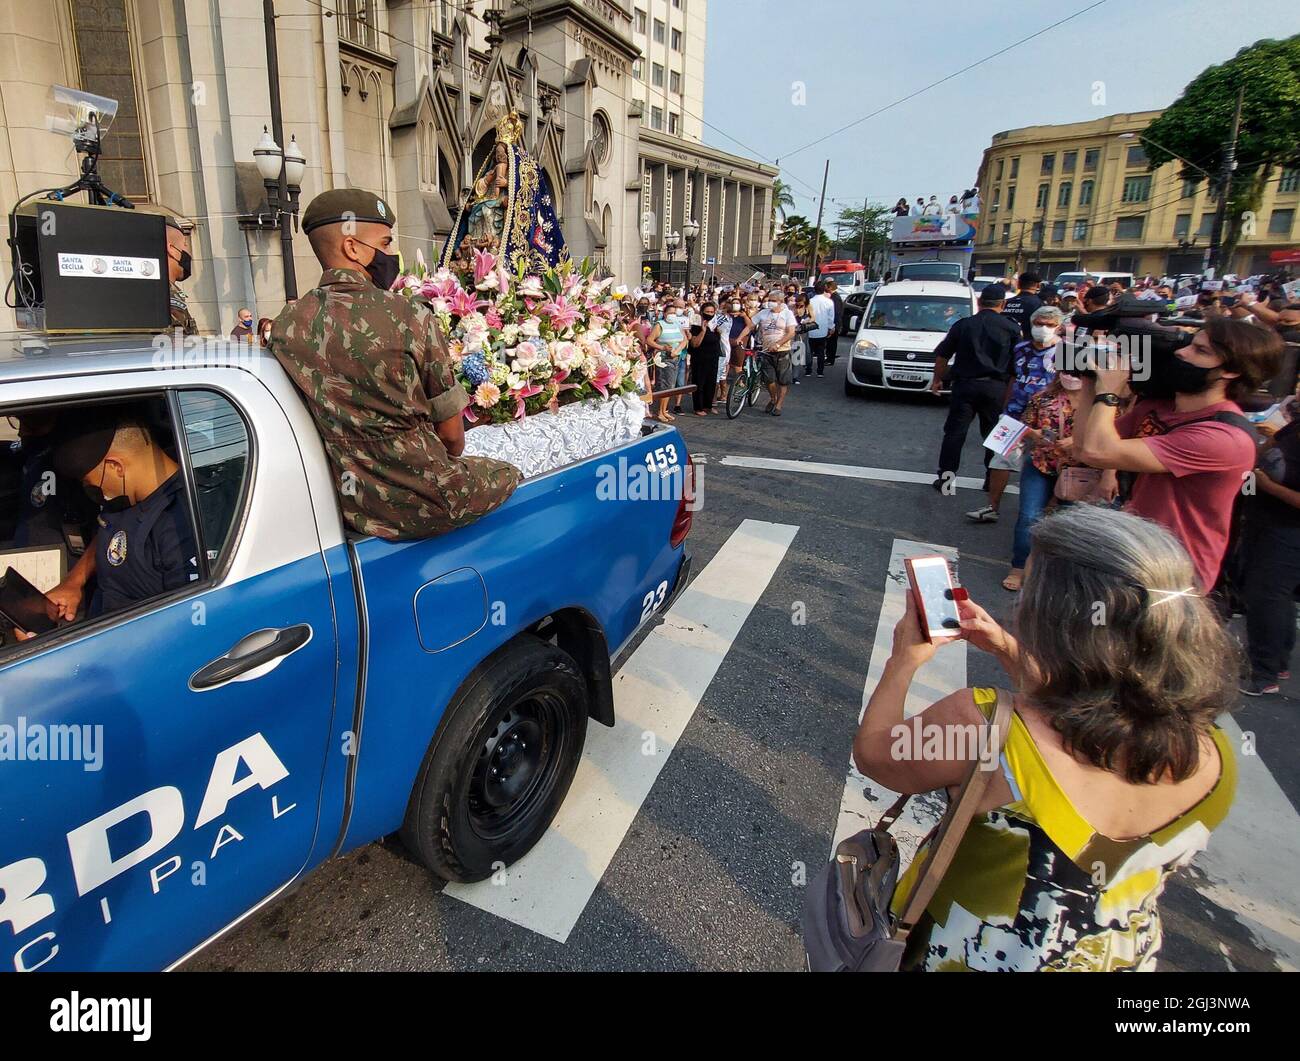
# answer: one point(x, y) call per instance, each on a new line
point(1007, 435)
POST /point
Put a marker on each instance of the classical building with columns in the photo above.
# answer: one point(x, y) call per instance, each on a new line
point(395, 96)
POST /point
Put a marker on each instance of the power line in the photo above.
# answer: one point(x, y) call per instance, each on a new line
point(942, 80)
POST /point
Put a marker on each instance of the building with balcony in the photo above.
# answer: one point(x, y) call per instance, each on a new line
point(1058, 198)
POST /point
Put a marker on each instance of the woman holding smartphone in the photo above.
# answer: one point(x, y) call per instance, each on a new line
point(1113, 774)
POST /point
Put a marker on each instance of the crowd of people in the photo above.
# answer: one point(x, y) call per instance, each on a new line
point(702, 335)
point(1159, 468)
point(1129, 399)
point(966, 203)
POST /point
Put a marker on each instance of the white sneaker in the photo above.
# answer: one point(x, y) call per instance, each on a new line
point(987, 514)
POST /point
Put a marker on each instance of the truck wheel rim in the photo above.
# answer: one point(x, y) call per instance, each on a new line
point(517, 764)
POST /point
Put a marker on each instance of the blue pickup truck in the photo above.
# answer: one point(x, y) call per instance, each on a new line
point(167, 770)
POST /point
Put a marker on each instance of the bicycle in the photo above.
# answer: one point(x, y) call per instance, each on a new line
point(745, 388)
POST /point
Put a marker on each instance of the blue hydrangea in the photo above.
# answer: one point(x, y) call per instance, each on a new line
point(474, 366)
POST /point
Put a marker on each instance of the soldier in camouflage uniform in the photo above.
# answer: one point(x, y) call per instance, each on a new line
point(179, 264)
point(379, 380)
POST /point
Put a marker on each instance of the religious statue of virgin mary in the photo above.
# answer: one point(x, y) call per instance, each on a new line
point(510, 211)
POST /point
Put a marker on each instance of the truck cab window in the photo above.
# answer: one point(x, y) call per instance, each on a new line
point(217, 442)
point(99, 512)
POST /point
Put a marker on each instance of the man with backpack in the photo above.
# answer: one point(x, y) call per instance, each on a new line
point(1191, 453)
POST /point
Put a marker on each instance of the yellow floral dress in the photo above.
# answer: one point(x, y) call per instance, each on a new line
point(1034, 887)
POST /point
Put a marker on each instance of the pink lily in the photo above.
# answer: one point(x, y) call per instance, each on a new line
point(463, 303)
point(606, 376)
point(484, 263)
point(469, 415)
point(561, 313)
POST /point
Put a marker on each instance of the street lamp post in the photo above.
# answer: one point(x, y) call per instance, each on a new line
point(277, 131)
point(672, 241)
point(690, 230)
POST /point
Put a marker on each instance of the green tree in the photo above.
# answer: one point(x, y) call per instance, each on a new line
point(782, 201)
point(1196, 126)
point(869, 228)
point(793, 235)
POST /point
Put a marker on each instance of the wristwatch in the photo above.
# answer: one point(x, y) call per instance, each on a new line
point(1112, 400)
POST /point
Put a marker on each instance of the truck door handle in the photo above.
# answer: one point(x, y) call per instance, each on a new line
point(251, 657)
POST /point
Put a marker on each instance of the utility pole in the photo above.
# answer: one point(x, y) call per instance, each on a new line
point(862, 234)
point(1226, 171)
point(817, 232)
point(1042, 233)
point(277, 131)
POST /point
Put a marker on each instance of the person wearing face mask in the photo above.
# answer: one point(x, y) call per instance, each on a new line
point(144, 545)
point(378, 378)
point(668, 340)
point(180, 264)
point(243, 329)
point(264, 331)
point(1033, 361)
point(1191, 452)
point(1048, 417)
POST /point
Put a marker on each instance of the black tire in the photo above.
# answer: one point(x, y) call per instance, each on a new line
point(464, 822)
point(755, 386)
point(736, 396)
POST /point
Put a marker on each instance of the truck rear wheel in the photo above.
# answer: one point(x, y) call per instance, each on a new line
point(500, 764)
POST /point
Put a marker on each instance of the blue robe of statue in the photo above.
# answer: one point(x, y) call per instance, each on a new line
point(530, 231)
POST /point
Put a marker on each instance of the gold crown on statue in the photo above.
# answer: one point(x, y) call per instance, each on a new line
point(510, 129)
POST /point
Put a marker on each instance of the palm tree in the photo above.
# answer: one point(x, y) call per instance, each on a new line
point(794, 234)
point(782, 201)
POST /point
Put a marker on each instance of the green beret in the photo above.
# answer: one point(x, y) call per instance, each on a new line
point(347, 204)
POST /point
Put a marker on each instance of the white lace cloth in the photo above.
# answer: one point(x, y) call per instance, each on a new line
point(545, 441)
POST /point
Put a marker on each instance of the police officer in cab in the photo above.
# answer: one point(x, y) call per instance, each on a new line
point(180, 264)
point(51, 511)
point(144, 545)
point(377, 375)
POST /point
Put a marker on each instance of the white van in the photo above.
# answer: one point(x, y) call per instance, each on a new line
point(904, 322)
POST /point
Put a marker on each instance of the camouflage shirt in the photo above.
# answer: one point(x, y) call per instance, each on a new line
point(377, 377)
point(180, 310)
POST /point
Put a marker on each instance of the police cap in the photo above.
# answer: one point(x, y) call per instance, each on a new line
point(83, 444)
point(347, 204)
point(993, 293)
point(84, 437)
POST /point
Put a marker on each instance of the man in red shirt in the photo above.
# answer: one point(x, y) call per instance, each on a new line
point(1191, 466)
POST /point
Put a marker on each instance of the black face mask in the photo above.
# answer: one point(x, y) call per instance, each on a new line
point(107, 504)
point(186, 263)
point(1187, 378)
point(383, 268)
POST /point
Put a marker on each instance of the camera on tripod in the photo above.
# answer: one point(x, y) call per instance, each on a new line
point(94, 265)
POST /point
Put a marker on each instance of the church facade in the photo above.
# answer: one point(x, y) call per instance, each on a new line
point(399, 97)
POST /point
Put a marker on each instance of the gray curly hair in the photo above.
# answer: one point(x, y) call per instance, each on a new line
point(1126, 658)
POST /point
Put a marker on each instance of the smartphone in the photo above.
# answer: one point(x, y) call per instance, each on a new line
point(23, 604)
point(932, 589)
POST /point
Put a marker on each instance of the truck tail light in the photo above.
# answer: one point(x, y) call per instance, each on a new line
point(685, 505)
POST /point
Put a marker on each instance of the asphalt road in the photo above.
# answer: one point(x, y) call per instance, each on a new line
point(705, 876)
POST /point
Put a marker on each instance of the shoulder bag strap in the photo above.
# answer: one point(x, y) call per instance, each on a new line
point(953, 827)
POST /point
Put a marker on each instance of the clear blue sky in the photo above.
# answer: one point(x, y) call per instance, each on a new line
point(855, 56)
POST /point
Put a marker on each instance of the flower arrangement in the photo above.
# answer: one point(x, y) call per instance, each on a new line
point(526, 343)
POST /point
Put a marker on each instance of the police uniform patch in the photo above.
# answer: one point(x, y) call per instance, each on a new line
point(116, 552)
point(38, 495)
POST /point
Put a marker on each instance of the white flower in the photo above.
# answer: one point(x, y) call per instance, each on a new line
point(515, 382)
point(488, 283)
point(510, 334)
point(532, 287)
point(531, 327)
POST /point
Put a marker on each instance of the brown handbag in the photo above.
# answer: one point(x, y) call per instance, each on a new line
point(847, 923)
